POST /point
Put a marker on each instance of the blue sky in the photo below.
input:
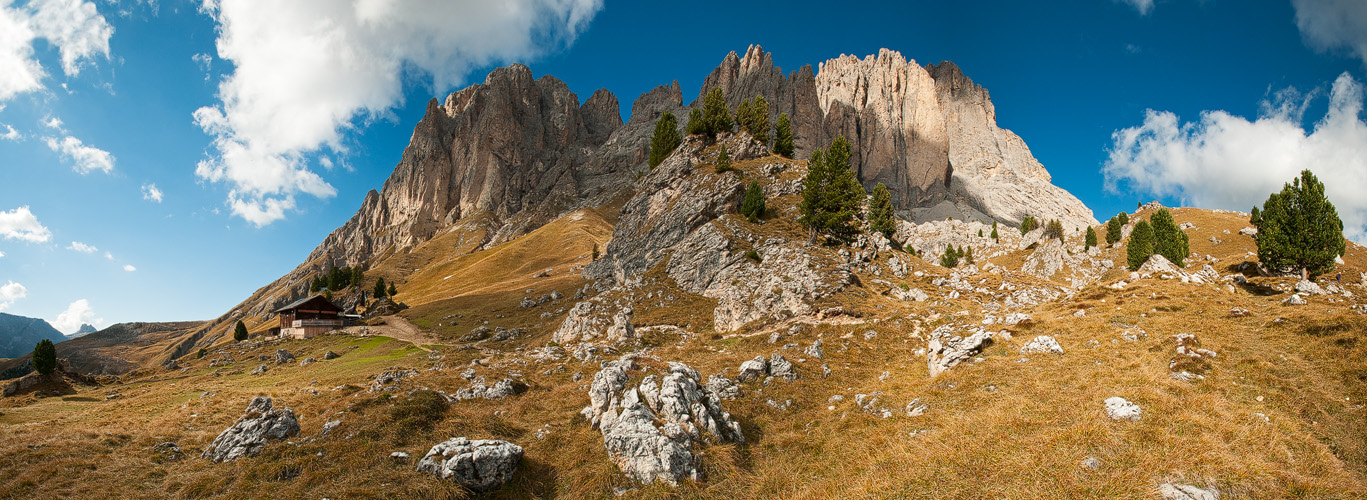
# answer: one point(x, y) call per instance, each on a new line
point(160, 161)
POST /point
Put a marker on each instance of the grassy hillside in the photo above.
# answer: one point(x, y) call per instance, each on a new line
point(1279, 414)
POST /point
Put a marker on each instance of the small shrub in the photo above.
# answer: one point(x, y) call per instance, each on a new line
point(752, 255)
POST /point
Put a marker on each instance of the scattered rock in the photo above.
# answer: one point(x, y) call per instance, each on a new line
point(1249, 231)
point(282, 356)
point(1294, 300)
point(260, 369)
point(650, 430)
point(248, 436)
point(1238, 312)
point(480, 464)
point(1119, 409)
point(1015, 319)
point(328, 427)
point(723, 387)
point(1172, 491)
point(814, 350)
point(501, 389)
point(307, 361)
point(1042, 344)
point(753, 369)
point(780, 367)
point(330, 355)
point(946, 349)
point(1308, 287)
point(621, 329)
point(389, 379)
point(399, 456)
point(168, 451)
point(1091, 463)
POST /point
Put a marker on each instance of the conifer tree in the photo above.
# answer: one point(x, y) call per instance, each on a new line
point(1090, 240)
point(1168, 239)
point(1054, 229)
point(665, 140)
point(697, 125)
point(723, 160)
point(783, 137)
point(44, 358)
point(1124, 218)
point(595, 251)
point(831, 196)
point(756, 122)
point(752, 207)
point(1299, 229)
point(968, 255)
point(950, 259)
point(994, 235)
point(380, 290)
point(743, 115)
point(1113, 230)
point(392, 291)
point(1255, 217)
point(715, 114)
point(356, 276)
point(1028, 224)
point(1140, 246)
point(881, 213)
point(240, 331)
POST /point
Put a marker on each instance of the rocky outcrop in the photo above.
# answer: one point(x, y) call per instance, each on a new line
point(1119, 409)
point(1047, 259)
point(1042, 344)
point(248, 436)
point(478, 464)
point(947, 349)
point(650, 431)
point(1174, 491)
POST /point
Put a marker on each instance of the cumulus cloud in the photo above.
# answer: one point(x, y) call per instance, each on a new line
point(1227, 161)
point(76, 314)
point(74, 27)
point(84, 159)
point(305, 70)
point(2, 254)
point(109, 256)
point(129, 268)
point(1333, 25)
point(151, 193)
point(1143, 6)
point(11, 292)
point(10, 134)
point(21, 224)
point(82, 247)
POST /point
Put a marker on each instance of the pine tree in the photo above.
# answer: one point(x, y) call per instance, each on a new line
point(1054, 229)
point(757, 121)
point(1124, 218)
point(380, 289)
point(950, 259)
point(1113, 230)
point(1090, 239)
point(715, 114)
point(44, 358)
point(392, 291)
point(1299, 229)
point(316, 285)
point(1168, 239)
point(665, 140)
point(697, 125)
point(723, 161)
point(994, 235)
point(1028, 224)
point(968, 256)
point(743, 115)
point(752, 207)
point(881, 213)
point(240, 331)
point(1140, 246)
point(783, 137)
point(1256, 217)
point(831, 196)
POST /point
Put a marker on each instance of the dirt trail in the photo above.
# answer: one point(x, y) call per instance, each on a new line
point(400, 328)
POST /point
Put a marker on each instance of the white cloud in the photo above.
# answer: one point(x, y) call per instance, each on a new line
point(10, 134)
point(304, 70)
point(150, 192)
point(2, 254)
point(76, 314)
point(1226, 161)
point(1143, 6)
point(129, 268)
point(109, 256)
point(21, 224)
point(84, 158)
point(54, 123)
point(74, 27)
point(82, 247)
point(1333, 24)
point(11, 292)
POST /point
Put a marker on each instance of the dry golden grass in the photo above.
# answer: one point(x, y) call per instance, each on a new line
point(998, 428)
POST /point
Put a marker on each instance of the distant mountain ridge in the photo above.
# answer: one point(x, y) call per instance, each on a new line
point(18, 334)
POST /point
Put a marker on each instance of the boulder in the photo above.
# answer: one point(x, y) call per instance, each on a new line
point(650, 431)
point(621, 329)
point(282, 356)
point(753, 369)
point(389, 379)
point(1308, 287)
point(1160, 265)
point(1047, 259)
point(946, 349)
point(168, 451)
point(780, 367)
point(1013, 319)
point(1294, 300)
point(814, 350)
point(330, 355)
point(478, 464)
point(499, 390)
point(1041, 345)
point(1119, 409)
point(581, 324)
point(249, 435)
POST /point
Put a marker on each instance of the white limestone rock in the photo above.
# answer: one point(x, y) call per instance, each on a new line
point(1042, 344)
point(248, 436)
point(1119, 409)
point(478, 464)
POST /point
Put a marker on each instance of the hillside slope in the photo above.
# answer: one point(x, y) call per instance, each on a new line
point(1270, 406)
point(19, 334)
